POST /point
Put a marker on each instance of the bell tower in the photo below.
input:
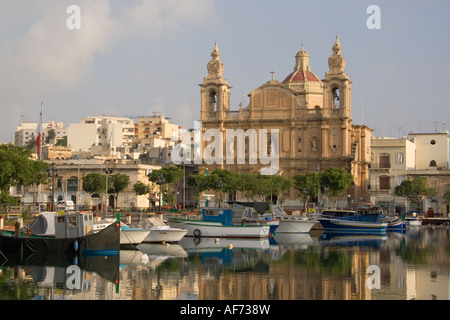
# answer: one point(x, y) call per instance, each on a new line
point(215, 90)
point(337, 84)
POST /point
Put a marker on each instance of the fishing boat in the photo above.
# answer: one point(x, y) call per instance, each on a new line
point(218, 222)
point(351, 221)
point(128, 236)
point(413, 222)
point(72, 234)
point(393, 223)
point(257, 213)
point(161, 231)
point(274, 216)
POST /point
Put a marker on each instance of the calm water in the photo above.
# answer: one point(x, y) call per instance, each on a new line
point(414, 265)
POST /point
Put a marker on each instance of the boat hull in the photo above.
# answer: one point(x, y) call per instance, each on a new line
point(198, 228)
point(133, 236)
point(295, 225)
point(338, 225)
point(395, 223)
point(165, 234)
point(105, 242)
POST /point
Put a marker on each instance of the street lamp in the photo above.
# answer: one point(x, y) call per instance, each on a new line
point(53, 174)
point(160, 181)
point(108, 172)
point(219, 186)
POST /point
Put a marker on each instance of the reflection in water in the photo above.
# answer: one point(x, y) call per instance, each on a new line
point(396, 266)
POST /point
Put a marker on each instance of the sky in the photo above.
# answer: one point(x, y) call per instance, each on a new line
point(136, 57)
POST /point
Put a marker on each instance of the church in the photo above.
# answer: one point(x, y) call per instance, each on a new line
point(311, 118)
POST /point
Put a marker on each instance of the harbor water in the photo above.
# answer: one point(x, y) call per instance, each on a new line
point(413, 265)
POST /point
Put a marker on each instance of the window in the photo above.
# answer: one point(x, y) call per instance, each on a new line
point(212, 101)
point(400, 157)
point(72, 184)
point(336, 97)
point(433, 142)
point(384, 183)
point(384, 160)
point(433, 163)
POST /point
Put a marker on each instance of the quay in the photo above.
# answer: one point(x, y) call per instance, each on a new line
point(436, 221)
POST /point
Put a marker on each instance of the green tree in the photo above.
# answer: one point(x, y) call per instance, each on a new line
point(50, 135)
point(334, 181)
point(17, 168)
point(94, 182)
point(62, 142)
point(141, 189)
point(229, 180)
point(117, 183)
point(308, 185)
point(414, 190)
point(171, 176)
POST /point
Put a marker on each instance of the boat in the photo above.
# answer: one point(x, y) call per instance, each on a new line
point(161, 231)
point(218, 222)
point(413, 222)
point(274, 216)
point(128, 236)
point(295, 224)
point(257, 213)
point(393, 223)
point(54, 233)
point(351, 221)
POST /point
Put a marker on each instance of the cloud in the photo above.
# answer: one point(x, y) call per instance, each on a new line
point(44, 56)
point(48, 57)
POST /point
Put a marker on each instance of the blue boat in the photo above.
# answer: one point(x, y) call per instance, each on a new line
point(352, 221)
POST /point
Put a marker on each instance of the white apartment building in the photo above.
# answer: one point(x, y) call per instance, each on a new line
point(27, 132)
point(112, 133)
point(433, 150)
point(394, 160)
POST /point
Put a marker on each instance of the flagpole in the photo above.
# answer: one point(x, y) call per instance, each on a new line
point(40, 155)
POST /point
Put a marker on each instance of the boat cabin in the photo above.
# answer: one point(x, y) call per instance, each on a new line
point(222, 215)
point(73, 225)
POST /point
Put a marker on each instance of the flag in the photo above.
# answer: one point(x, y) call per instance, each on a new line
point(38, 139)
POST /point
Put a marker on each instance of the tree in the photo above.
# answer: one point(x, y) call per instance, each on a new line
point(94, 182)
point(62, 142)
point(117, 183)
point(228, 179)
point(141, 189)
point(308, 184)
point(171, 176)
point(414, 190)
point(50, 136)
point(17, 168)
point(335, 181)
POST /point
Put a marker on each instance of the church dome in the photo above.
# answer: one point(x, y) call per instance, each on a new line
point(302, 71)
point(301, 76)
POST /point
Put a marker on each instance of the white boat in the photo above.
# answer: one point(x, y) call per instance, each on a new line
point(295, 224)
point(128, 236)
point(217, 222)
point(161, 232)
point(413, 222)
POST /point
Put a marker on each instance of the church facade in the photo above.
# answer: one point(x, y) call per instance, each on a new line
point(309, 117)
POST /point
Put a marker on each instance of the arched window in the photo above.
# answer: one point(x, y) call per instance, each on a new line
point(212, 101)
point(336, 97)
point(433, 163)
